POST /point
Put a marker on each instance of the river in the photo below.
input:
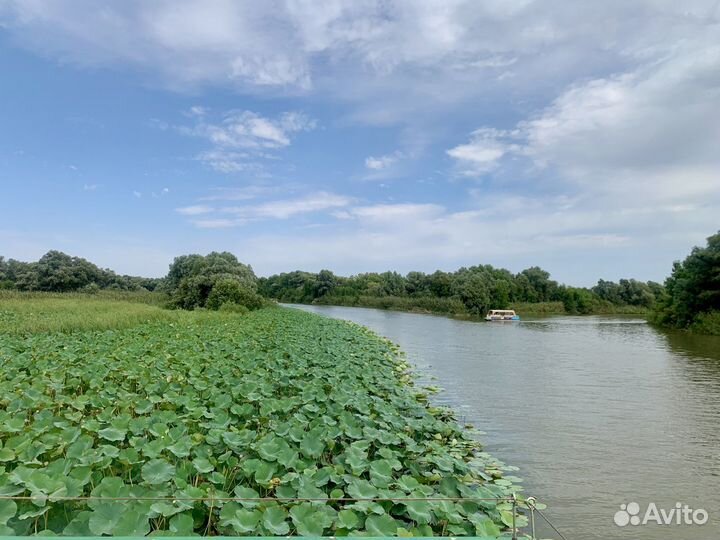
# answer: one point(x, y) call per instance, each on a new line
point(595, 411)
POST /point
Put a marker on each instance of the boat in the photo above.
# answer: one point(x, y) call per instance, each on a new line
point(502, 315)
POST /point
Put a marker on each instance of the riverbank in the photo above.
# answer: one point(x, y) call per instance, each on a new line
point(276, 404)
point(455, 308)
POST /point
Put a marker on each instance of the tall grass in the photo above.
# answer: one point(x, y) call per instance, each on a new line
point(22, 313)
point(143, 297)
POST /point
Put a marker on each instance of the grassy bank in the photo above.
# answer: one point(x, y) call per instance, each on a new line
point(55, 312)
point(277, 404)
point(442, 306)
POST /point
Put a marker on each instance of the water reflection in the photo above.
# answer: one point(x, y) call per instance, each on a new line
point(596, 411)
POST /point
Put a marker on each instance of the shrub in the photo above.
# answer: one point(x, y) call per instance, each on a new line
point(707, 323)
point(232, 291)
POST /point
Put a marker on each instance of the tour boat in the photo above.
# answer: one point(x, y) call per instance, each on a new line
point(502, 315)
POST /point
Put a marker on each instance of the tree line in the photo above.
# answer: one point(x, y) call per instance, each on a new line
point(472, 290)
point(690, 297)
point(59, 272)
point(213, 281)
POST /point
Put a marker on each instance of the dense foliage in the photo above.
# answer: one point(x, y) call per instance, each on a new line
point(471, 290)
point(278, 403)
point(692, 298)
point(58, 272)
point(197, 281)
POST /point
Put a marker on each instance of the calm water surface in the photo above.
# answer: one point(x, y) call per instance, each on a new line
point(596, 411)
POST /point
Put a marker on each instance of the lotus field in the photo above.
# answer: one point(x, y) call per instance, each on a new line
point(278, 422)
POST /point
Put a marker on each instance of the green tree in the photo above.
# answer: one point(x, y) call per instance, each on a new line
point(191, 278)
point(324, 283)
point(693, 288)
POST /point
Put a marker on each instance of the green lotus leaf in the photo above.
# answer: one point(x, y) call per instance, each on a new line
point(362, 489)
point(202, 465)
point(132, 522)
point(271, 446)
point(6, 455)
point(265, 472)
point(13, 425)
point(79, 525)
point(347, 519)
point(419, 511)
point(287, 457)
point(381, 473)
point(216, 478)
point(484, 526)
point(408, 483)
point(8, 509)
point(113, 434)
point(238, 440)
point(308, 490)
point(273, 520)
point(240, 519)
point(157, 471)
point(104, 518)
point(182, 447)
point(312, 445)
point(309, 520)
point(165, 509)
point(243, 492)
point(381, 525)
point(154, 448)
point(357, 459)
point(182, 525)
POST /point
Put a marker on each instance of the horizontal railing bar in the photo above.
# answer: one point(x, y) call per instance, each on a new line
point(249, 499)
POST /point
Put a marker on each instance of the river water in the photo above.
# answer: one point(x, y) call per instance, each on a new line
point(596, 411)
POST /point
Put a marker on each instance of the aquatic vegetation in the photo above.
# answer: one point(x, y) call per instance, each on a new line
point(22, 313)
point(169, 420)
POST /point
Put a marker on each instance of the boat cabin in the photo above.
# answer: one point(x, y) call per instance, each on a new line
point(502, 315)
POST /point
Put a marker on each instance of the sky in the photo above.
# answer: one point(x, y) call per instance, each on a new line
point(357, 136)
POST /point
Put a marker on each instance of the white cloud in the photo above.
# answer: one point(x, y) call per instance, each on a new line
point(483, 153)
point(194, 210)
point(90, 187)
point(240, 138)
point(137, 194)
point(650, 133)
point(229, 162)
point(397, 57)
point(249, 130)
point(284, 209)
point(216, 223)
point(281, 209)
point(382, 162)
point(238, 194)
point(390, 213)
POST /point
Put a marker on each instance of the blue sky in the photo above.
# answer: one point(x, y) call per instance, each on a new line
point(363, 136)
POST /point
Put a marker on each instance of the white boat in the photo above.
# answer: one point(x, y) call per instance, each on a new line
point(502, 315)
